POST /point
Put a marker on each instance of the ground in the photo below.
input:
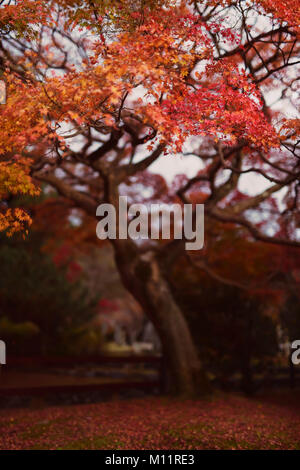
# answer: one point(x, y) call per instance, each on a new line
point(222, 422)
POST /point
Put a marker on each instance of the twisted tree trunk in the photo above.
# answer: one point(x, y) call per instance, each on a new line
point(142, 276)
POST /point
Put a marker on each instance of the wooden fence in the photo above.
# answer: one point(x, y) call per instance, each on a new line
point(23, 363)
point(284, 376)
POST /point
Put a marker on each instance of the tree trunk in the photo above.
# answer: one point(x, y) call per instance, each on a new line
point(142, 276)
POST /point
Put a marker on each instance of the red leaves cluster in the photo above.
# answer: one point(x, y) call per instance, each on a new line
point(224, 423)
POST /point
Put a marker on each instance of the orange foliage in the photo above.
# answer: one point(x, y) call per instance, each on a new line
point(154, 48)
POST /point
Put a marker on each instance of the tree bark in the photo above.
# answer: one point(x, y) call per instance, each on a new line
point(142, 276)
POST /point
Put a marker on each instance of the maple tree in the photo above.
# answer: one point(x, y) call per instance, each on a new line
point(98, 91)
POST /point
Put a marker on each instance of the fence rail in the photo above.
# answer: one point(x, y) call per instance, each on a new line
point(61, 362)
point(79, 360)
point(289, 376)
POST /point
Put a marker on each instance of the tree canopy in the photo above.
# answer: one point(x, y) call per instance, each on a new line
point(145, 76)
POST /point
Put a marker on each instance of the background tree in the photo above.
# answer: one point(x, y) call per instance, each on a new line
point(233, 318)
point(43, 309)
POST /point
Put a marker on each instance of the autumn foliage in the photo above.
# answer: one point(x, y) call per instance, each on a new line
point(229, 423)
point(165, 49)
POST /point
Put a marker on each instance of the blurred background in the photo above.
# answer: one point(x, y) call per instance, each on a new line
point(73, 333)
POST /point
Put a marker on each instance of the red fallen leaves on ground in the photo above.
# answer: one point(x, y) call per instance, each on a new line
point(225, 422)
